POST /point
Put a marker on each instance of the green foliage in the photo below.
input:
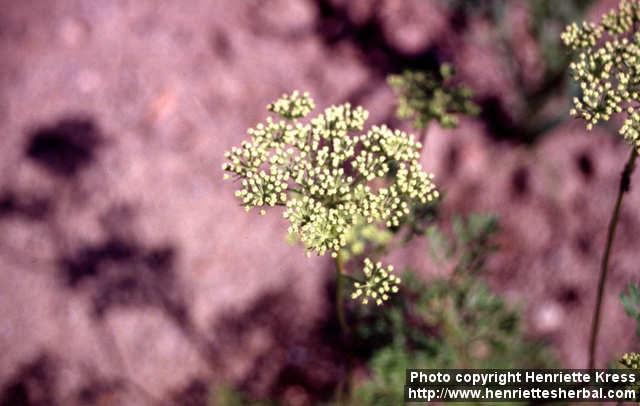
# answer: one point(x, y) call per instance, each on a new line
point(471, 244)
point(328, 176)
point(608, 68)
point(545, 20)
point(454, 322)
point(631, 303)
point(227, 396)
point(548, 18)
point(423, 96)
point(448, 323)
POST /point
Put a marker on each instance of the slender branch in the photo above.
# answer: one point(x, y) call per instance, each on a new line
point(340, 277)
point(625, 184)
point(353, 278)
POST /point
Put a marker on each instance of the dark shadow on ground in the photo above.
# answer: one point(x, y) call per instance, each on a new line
point(32, 385)
point(66, 147)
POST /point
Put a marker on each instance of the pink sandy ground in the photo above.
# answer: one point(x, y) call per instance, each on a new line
point(168, 87)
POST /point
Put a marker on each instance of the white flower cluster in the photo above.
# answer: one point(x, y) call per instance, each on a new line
point(328, 178)
point(608, 68)
point(295, 105)
point(631, 360)
point(380, 282)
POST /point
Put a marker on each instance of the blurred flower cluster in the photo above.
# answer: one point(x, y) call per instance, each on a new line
point(425, 96)
point(631, 360)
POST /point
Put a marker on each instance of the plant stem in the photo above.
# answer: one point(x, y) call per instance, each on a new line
point(340, 277)
point(625, 184)
point(352, 279)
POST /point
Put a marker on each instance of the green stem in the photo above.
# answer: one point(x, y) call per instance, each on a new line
point(340, 277)
point(352, 279)
point(625, 183)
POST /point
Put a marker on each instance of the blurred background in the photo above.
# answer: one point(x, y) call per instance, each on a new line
point(129, 274)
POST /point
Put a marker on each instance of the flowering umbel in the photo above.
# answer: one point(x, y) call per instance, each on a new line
point(328, 174)
point(424, 96)
point(379, 283)
point(608, 68)
point(631, 360)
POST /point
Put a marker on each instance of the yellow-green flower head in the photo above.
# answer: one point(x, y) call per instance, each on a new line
point(423, 97)
point(608, 68)
point(292, 106)
point(631, 360)
point(379, 283)
point(327, 173)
